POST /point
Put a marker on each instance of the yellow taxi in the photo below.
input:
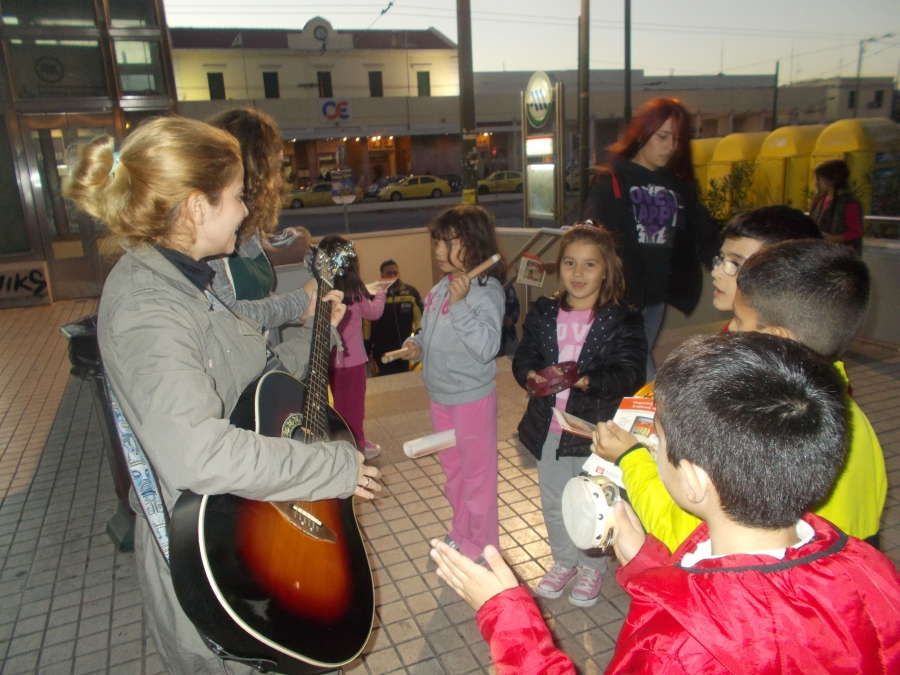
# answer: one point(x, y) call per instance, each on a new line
point(501, 181)
point(415, 186)
point(317, 194)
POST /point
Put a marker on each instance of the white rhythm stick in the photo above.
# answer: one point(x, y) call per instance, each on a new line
point(427, 445)
point(483, 266)
point(387, 357)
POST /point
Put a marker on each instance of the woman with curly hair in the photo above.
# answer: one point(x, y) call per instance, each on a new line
point(245, 279)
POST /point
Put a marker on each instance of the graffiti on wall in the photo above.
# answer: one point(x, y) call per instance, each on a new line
point(24, 283)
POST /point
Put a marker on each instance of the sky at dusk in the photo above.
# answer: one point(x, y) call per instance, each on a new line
point(687, 37)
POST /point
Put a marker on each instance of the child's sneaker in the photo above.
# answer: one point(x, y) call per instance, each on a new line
point(371, 450)
point(555, 581)
point(587, 587)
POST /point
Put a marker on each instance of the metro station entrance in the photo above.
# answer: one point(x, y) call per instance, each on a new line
point(71, 239)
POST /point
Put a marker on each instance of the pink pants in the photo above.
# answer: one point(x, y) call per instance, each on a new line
point(471, 470)
point(348, 387)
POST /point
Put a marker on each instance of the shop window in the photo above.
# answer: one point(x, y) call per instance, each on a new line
point(67, 13)
point(270, 84)
point(423, 78)
point(851, 100)
point(132, 14)
point(376, 87)
point(324, 79)
point(216, 86)
point(45, 68)
point(140, 71)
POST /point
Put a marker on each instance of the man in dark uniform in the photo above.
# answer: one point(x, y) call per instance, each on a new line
point(401, 318)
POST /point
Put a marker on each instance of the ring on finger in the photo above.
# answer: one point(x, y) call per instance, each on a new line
point(367, 481)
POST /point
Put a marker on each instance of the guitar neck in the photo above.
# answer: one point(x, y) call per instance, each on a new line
point(316, 402)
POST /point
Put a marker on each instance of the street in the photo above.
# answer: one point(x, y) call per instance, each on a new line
point(371, 216)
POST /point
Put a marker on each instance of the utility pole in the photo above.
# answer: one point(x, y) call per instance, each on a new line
point(775, 99)
point(858, 73)
point(627, 62)
point(467, 102)
point(584, 103)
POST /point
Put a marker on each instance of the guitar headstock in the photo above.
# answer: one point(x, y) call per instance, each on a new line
point(327, 268)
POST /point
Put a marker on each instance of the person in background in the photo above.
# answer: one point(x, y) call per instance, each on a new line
point(509, 339)
point(835, 208)
point(244, 280)
point(647, 198)
point(401, 318)
point(347, 369)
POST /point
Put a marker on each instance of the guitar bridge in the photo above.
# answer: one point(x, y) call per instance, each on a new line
point(306, 522)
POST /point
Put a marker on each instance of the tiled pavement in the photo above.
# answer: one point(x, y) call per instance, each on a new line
point(68, 601)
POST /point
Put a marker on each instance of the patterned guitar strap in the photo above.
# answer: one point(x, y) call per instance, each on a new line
point(143, 478)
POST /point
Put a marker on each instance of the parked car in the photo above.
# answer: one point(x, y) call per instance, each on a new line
point(415, 186)
point(454, 180)
point(317, 194)
point(501, 181)
point(371, 192)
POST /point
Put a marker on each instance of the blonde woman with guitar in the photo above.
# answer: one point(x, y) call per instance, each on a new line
point(177, 361)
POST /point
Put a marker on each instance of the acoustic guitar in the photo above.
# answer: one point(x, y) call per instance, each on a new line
point(283, 586)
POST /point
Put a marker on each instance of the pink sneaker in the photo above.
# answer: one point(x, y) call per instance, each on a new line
point(587, 587)
point(554, 582)
point(371, 450)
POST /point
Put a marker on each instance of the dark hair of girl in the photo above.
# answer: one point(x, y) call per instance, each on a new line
point(612, 288)
point(475, 229)
point(836, 172)
point(647, 121)
point(349, 282)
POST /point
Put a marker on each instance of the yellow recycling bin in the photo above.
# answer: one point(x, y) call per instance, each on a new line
point(732, 151)
point(781, 175)
point(702, 150)
point(871, 148)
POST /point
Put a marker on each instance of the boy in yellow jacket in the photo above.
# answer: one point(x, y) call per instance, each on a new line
point(813, 292)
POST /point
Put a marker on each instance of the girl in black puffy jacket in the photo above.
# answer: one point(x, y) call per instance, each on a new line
point(585, 323)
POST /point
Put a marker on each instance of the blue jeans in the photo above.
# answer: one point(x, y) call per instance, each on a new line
point(653, 318)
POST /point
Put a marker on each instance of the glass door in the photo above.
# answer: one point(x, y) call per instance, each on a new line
point(70, 237)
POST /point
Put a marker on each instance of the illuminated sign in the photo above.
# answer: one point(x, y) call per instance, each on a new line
point(539, 99)
point(538, 146)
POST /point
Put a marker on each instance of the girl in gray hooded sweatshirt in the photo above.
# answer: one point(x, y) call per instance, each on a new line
point(459, 338)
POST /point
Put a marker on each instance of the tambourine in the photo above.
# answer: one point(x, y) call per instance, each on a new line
point(587, 509)
point(557, 378)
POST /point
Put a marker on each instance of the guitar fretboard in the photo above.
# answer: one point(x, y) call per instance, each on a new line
point(316, 403)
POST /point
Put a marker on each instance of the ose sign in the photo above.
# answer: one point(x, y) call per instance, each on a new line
point(333, 110)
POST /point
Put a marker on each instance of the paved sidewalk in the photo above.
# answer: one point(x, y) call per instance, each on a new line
point(69, 602)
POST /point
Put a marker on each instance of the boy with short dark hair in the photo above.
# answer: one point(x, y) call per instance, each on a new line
point(747, 233)
point(816, 293)
point(751, 435)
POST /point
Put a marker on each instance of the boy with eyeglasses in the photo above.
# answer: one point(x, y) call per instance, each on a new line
point(747, 233)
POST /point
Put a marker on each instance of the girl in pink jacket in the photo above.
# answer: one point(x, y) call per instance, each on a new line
point(347, 369)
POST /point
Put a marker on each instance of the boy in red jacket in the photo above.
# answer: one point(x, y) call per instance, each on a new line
point(762, 585)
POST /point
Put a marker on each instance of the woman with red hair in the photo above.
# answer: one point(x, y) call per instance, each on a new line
point(646, 196)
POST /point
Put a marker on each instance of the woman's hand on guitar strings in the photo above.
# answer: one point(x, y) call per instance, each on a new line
point(310, 287)
point(366, 480)
point(338, 308)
